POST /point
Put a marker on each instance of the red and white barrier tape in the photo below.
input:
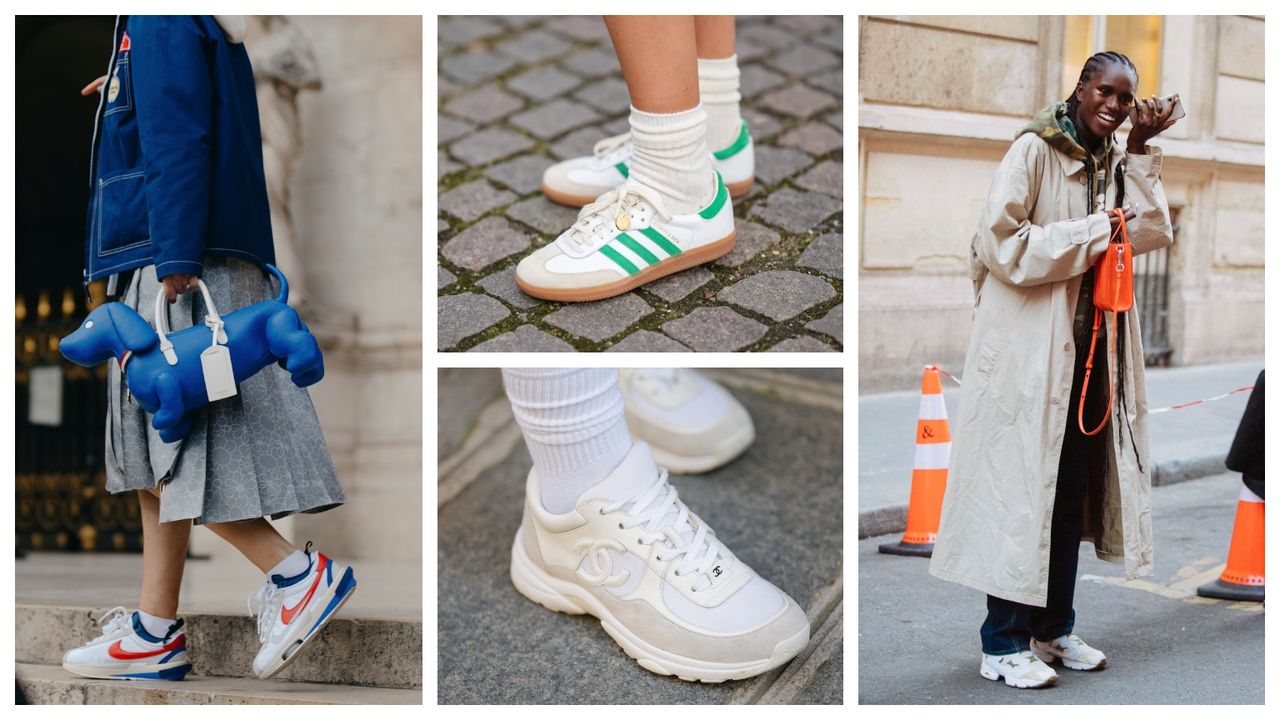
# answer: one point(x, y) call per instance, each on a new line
point(1179, 406)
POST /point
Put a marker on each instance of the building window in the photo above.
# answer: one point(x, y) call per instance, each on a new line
point(1137, 36)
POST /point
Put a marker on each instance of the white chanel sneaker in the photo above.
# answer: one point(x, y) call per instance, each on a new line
point(625, 239)
point(692, 424)
point(662, 585)
point(1072, 651)
point(581, 180)
point(1019, 670)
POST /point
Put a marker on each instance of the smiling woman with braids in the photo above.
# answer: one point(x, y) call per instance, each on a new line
point(1025, 484)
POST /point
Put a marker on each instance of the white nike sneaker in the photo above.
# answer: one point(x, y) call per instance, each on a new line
point(1019, 670)
point(662, 585)
point(625, 239)
point(1072, 651)
point(126, 651)
point(692, 423)
point(292, 611)
point(579, 181)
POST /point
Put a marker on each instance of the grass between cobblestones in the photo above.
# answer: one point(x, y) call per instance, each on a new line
point(782, 255)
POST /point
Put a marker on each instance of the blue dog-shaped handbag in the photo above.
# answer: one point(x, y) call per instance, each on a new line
point(164, 371)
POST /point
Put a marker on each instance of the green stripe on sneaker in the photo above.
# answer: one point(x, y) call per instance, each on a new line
point(722, 196)
point(637, 248)
point(744, 137)
point(622, 262)
point(622, 168)
point(661, 241)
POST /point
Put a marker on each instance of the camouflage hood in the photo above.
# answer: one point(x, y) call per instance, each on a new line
point(1053, 125)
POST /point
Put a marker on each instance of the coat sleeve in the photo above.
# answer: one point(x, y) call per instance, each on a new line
point(173, 90)
point(1019, 252)
point(1151, 229)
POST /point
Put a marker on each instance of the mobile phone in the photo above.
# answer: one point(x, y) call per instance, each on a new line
point(1178, 111)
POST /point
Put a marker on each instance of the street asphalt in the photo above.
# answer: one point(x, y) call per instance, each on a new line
point(918, 636)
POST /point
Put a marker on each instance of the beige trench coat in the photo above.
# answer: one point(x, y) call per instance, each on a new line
point(1033, 244)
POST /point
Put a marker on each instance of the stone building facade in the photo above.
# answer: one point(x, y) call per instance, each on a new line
point(940, 99)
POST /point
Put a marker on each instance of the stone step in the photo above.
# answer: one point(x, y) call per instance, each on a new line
point(51, 685)
point(349, 651)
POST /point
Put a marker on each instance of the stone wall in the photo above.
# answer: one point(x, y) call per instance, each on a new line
point(940, 100)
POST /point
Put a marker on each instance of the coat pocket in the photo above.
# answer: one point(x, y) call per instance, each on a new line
point(121, 206)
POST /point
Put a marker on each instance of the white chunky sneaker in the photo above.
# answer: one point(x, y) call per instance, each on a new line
point(579, 181)
point(1072, 651)
point(625, 239)
point(662, 585)
point(692, 424)
point(1019, 670)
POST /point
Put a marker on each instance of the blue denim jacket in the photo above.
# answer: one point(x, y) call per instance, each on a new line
point(176, 169)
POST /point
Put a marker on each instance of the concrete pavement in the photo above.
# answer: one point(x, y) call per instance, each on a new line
point(918, 636)
point(1185, 444)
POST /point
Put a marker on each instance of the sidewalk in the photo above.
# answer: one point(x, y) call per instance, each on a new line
point(772, 507)
point(918, 636)
point(518, 94)
point(1185, 444)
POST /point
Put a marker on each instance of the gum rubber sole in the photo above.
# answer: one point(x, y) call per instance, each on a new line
point(736, 190)
point(683, 261)
point(533, 582)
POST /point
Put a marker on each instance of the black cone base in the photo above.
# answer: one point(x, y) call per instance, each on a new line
point(902, 548)
point(1229, 591)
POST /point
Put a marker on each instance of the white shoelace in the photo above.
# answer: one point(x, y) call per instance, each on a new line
point(613, 149)
point(113, 620)
point(585, 235)
point(666, 518)
point(269, 598)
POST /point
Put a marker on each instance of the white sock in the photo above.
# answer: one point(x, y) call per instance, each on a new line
point(718, 86)
point(157, 626)
point(671, 156)
point(292, 566)
point(573, 425)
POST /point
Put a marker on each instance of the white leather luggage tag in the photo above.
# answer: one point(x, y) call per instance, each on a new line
point(219, 379)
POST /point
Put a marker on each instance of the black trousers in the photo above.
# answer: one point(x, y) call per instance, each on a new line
point(1010, 625)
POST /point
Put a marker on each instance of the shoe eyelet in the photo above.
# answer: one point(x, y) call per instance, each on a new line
point(600, 510)
point(676, 573)
point(620, 526)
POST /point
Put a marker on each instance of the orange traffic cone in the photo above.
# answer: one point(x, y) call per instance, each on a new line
point(929, 478)
point(1243, 578)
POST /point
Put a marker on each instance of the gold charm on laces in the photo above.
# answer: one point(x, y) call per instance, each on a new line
point(623, 222)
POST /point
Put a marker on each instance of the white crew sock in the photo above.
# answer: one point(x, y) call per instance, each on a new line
point(157, 626)
point(292, 566)
point(718, 86)
point(573, 425)
point(671, 156)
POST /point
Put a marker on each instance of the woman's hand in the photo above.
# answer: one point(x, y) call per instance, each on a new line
point(1152, 119)
point(93, 87)
point(1129, 214)
point(175, 285)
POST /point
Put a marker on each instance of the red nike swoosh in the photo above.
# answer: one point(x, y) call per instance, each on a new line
point(286, 613)
point(120, 653)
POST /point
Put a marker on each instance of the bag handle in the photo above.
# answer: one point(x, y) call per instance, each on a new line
point(1122, 231)
point(211, 318)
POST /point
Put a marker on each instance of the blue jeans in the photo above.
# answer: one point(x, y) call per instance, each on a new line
point(1010, 625)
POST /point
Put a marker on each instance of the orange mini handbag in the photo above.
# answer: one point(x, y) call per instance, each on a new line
point(1112, 292)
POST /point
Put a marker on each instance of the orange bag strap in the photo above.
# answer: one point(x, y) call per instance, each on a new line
point(1123, 232)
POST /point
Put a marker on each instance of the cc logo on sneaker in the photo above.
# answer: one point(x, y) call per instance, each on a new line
point(595, 565)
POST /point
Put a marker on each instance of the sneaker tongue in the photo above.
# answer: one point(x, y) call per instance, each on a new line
point(637, 473)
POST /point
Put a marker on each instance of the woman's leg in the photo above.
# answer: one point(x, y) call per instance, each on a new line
point(659, 59)
point(714, 36)
point(164, 555)
point(257, 540)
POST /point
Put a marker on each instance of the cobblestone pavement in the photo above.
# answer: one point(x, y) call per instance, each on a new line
point(518, 94)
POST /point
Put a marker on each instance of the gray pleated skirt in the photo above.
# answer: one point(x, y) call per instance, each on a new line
point(258, 454)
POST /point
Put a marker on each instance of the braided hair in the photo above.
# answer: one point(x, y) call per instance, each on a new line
point(1096, 62)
